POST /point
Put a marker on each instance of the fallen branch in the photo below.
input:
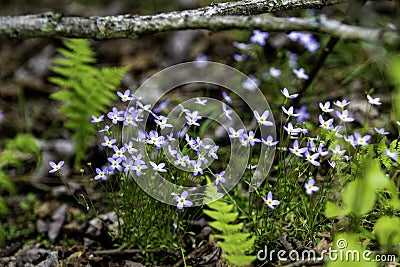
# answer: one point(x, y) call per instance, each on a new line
point(127, 26)
point(131, 26)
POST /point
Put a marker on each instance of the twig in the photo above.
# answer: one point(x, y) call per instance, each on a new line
point(131, 26)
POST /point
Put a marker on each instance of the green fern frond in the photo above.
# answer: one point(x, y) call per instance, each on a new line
point(233, 241)
point(86, 91)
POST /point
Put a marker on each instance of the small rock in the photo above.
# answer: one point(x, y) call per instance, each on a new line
point(57, 223)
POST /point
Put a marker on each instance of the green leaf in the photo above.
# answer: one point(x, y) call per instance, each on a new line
point(235, 237)
point(374, 176)
point(3, 207)
point(86, 91)
point(388, 231)
point(6, 183)
point(358, 197)
point(226, 228)
point(221, 206)
point(240, 260)
point(222, 217)
point(235, 246)
point(347, 252)
point(332, 210)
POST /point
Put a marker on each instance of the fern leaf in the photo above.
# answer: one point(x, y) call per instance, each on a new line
point(240, 260)
point(6, 183)
point(236, 246)
point(222, 217)
point(233, 242)
point(86, 90)
point(221, 206)
point(226, 228)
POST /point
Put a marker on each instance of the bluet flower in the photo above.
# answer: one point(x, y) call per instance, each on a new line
point(108, 142)
point(115, 164)
point(300, 73)
point(259, 37)
point(56, 167)
point(227, 111)
point(126, 96)
point(251, 83)
point(361, 140)
point(219, 177)
point(270, 141)
point(226, 97)
point(344, 116)
point(274, 72)
point(182, 200)
point(159, 167)
point(285, 93)
point(101, 174)
point(392, 155)
point(290, 112)
point(326, 107)
point(201, 102)
point(263, 118)
point(341, 104)
point(337, 150)
point(297, 150)
point(374, 101)
point(270, 201)
point(302, 114)
point(328, 125)
point(312, 158)
point(236, 134)
point(97, 120)
point(311, 187)
point(381, 131)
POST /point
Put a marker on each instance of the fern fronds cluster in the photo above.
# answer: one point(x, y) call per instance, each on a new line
point(86, 90)
point(15, 152)
point(234, 242)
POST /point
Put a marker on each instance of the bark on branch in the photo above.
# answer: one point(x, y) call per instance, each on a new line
point(217, 17)
point(131, 26)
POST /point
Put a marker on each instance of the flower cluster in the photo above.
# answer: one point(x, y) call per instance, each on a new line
point(306, 39)
point(248, 52)
point(192, 154)
point(335, 120)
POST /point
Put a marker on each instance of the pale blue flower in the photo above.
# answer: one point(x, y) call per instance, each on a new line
point(219, 178)
point(344, 116)
point(270, 141)
point(159, 167)
point(374, 101)
point(326, 107)
point(311, 187)
point(259, 37)
point(312, 158)
point(56, 167)
point(297, 150)
point(126, 96)
point(270, 201)
point(101, 174)
point(182, 200)
point(263, 118)
point(285, 93)
point(300, 73)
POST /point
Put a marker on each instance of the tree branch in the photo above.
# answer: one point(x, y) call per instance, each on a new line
point(131, 26)
point(218, 17)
